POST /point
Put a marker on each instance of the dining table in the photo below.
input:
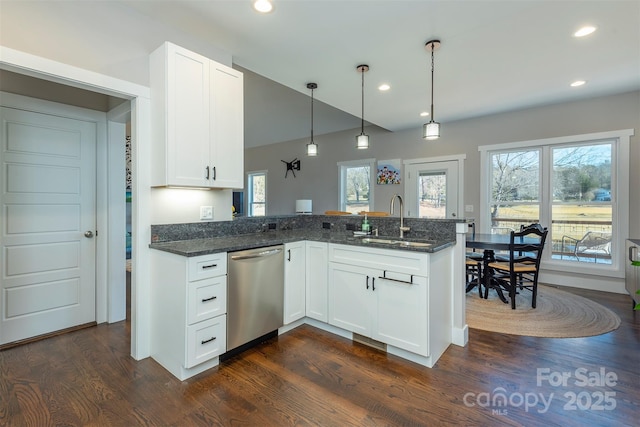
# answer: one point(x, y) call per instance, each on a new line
point(489, 243)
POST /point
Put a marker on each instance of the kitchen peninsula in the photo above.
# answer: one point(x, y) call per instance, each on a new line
point(404, 296)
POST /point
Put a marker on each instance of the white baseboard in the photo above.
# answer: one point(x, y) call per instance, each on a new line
point(572, 280)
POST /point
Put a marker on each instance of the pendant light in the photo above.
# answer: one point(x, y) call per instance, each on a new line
point(431, 130)
point(312, 147)
point(362, 140)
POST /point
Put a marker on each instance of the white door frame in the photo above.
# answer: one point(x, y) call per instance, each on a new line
point(454, 158)
point(139, 96)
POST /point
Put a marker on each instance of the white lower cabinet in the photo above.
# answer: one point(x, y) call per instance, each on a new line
point(316, 280)
point(390, 305)
point(188, 311)
point(294, 282)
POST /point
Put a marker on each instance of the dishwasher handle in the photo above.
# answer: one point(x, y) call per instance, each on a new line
point(256, 255)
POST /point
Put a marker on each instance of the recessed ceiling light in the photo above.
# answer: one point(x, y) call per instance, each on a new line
point(424, 114)
point(578, 83)
point(263, 6)
point(584, 31)
point(383, 87)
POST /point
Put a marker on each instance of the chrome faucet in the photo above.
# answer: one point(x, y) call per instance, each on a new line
point(402, 227)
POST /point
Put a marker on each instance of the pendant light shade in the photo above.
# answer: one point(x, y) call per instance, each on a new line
point(431, 130)
point(362, 140)
point(312, 147)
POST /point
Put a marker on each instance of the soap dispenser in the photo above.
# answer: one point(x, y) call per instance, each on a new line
point(365, 224)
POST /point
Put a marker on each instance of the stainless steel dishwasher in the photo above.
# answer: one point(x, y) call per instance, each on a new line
point(255, 294)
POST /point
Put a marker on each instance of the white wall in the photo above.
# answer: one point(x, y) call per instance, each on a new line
point(175, 206)
point(318, 177)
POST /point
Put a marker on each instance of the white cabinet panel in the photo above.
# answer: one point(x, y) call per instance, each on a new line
point(206, 340)
point(317, 281)
point(206, 299)
point(294, 282)
point(227, 127)
point(402, 315)
point(206, 266)
point(351, 300)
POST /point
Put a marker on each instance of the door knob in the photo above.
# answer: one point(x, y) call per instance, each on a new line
point(88, 234)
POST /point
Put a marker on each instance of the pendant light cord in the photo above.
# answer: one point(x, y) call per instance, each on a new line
point(432, 67)
point(362, 117)
point(312, 116)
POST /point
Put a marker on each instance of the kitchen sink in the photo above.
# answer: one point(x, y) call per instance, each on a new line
point(396, 242)
point(380, 241)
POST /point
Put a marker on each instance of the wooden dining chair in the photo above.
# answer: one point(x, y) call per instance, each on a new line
point(473, 265)
point(474, 274)
point(522, 269)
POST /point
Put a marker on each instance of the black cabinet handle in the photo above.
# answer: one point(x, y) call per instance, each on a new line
point(209, 299)
point(209, 340)
point(373, 283)
point(204, 267)
point(214, 173)
point(207, 176)
point(288, 254)
point(367, 282)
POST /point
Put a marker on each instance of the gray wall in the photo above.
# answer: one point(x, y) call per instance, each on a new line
point(318, 177)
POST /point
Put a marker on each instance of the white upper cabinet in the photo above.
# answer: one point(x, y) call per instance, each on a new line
point(197, 120)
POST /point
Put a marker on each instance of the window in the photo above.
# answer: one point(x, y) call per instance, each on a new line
point(257, 189)
point(355, 180)
point(515, 189)
point(575, 186)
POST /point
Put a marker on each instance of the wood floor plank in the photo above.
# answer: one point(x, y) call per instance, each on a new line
point(311, 377)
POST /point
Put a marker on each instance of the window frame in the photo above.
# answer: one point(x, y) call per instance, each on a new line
point(342, 174)
point(620, 140)
point(250, 202)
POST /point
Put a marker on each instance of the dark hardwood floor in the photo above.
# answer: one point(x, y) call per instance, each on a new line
point(311, 377)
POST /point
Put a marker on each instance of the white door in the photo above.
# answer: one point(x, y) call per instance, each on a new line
point(431, 189)
point(47, 204)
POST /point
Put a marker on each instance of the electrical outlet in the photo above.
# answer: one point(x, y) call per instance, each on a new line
point(206, 212)
point(272, 226)
point(468, 208)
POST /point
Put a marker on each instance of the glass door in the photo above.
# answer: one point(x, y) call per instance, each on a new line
point(431, 189)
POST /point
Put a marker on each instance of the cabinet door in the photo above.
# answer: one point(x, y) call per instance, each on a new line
point(316, 281)
point(227, 127)
point(187, 117)
point(294, 282)
point(351, 298)
point(402, 312)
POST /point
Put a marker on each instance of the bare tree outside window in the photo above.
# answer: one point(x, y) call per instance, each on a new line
point(358, 185)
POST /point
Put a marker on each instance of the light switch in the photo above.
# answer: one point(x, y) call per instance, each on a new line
point(206, 212)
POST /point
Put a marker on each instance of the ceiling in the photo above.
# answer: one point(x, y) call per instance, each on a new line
point(495, 55)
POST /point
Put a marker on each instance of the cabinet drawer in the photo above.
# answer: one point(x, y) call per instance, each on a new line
point(206, 340)
point(205, 266)
point(399, 261)
point(206, 299)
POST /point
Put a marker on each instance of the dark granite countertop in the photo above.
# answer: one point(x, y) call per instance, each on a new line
point(196, 247)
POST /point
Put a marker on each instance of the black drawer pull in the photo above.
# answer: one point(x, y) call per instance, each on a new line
point(204, 267)
point(207, 341)
point(373, 283)
point(208, 299)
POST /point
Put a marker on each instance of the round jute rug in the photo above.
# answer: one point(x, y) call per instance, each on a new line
point(558, 314)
